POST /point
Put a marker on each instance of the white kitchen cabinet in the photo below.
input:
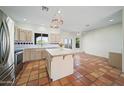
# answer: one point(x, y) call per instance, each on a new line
point(36, 54)
point(22, 35)
point(43, 53)
point(26, 55)
point(54, 38)
point(57, 38)
point(29, 36)
point(16, 33)
point(33, 54)
point(60, 63)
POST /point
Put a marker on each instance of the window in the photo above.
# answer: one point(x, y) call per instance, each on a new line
point(37, 39)
point(44, 38)
point(77, 42)
point(40, 38)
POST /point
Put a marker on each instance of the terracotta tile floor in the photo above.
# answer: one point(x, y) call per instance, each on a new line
point(88, 71)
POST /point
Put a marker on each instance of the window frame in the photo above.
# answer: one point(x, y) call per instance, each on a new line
point(40, 35)
point(77, 43)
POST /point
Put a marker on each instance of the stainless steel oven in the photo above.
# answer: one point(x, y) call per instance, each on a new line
point(18, 61)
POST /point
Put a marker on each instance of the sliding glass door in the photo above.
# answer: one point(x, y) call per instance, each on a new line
point(68, 43)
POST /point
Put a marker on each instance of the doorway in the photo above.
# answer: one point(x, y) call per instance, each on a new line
point(68, 43)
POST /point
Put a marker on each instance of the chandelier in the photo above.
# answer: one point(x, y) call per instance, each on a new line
point(57, 21)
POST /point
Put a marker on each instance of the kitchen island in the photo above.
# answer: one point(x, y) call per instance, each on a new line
point(60, 62)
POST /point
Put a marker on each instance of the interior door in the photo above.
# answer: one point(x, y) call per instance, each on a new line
point(68, 43)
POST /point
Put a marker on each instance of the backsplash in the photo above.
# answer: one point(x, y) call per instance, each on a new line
point(19, 42)
point(23, 46)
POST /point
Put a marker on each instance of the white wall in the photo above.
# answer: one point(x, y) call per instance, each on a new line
point(102, 41)
point(123, 40)
point(72, 35)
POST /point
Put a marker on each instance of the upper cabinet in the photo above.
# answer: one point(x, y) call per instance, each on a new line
point(16, 33)
point(23, 35)
point(58, 38)
point(29, 36)
point(54, 38)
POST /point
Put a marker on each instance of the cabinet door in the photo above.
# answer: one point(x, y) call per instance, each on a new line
point(26, 55)
point(33, 54)
point(38, 55)
point(16, 33)
point(22, 35)
point(29, 36)
point(58, 38)
point(52, 38)
point(43, 54)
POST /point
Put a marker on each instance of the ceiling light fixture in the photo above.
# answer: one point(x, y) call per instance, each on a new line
point(57, 20)
point(25, 19)
point(59, 11)
point(44, 8)
point(110, 20)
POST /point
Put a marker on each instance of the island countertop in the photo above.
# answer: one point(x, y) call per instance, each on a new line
point(61, 52)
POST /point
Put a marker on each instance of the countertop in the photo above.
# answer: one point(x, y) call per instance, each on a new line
point(61, 51)
point(22, 47)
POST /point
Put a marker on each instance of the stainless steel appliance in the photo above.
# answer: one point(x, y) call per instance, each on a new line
point(7, 72)
point(18, 61)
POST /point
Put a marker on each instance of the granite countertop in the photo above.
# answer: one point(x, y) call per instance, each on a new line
point(61, 52)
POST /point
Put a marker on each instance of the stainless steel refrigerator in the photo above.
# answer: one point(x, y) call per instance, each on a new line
point(7, 72)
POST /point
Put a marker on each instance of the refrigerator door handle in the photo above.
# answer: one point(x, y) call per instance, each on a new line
point(7, 40)
point(1, 44)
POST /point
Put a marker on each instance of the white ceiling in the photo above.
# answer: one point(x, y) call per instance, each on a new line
point(75, 17)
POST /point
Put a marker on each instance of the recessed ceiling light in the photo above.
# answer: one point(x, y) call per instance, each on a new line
point(59, 11)
point(110, 20)
point(25, 19)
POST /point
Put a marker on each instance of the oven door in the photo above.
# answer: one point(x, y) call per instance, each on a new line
point(18, 62)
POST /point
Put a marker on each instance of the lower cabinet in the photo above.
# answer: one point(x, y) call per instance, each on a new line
point(33, 54)
point(26, 55)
